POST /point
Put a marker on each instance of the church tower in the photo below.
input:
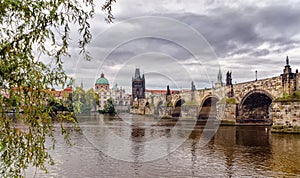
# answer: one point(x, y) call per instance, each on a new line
point(219, 82)
point(138, 85)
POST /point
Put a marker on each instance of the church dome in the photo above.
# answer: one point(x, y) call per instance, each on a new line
point(102, 80)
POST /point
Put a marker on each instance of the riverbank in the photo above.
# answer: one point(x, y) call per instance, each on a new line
point(285, 129)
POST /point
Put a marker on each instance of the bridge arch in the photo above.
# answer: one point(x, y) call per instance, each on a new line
point(208, 107)
point(255, 107)
point(177, 107)
point(179, 102)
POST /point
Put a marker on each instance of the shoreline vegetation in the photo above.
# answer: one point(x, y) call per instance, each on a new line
point(32, 31)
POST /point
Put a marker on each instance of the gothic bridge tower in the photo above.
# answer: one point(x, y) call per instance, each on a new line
point(288, 79)
point(138, 85)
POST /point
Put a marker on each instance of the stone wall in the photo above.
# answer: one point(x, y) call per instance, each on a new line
point(298, 81)
point(229, 115)
point(286, 116)
point(272, 86)
point(190, 111)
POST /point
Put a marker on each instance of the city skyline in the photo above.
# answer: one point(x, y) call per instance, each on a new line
point(245, 36)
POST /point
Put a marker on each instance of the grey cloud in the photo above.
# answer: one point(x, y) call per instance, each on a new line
point(236, 33)
point(227, 29)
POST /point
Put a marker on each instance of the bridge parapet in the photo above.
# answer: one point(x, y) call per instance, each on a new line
point(271, 86)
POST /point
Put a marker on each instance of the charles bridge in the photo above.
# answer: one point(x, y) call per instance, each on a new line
point(272, 101)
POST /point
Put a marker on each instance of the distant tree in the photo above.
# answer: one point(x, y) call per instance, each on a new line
point(96, 103)
point(83, 100)
point(90, 99)
point(109, 107)
point(27, 27)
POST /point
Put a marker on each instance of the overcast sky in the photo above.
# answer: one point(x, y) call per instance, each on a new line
point(180, 40)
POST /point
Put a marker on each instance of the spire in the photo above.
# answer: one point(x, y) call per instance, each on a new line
point(287, 68)
point(220, 75)
point(102, 75)
point(137, 73)
point(287, 61)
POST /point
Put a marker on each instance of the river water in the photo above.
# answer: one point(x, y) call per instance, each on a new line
point(234, 151)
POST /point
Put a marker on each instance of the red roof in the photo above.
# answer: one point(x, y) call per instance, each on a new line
point(68, 89)
point(54, 92)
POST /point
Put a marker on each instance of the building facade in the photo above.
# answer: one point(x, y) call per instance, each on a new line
point(103, 91)
point(120, 98)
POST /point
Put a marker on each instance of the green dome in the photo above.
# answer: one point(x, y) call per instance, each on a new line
point(102, 80)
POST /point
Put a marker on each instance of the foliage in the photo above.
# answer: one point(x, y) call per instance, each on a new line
point(170, 104)
point(109, 107)
point(107, 7)
point(83, 100)
point(60, 105)
point(292, 97)
point(32, 28)
point(231, 101)
point(228, 101)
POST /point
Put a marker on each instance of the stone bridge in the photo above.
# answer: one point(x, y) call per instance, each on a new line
point(255, 102)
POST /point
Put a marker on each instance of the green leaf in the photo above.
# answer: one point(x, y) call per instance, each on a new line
point(2, 148)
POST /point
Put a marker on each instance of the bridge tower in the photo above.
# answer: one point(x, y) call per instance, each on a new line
point(219, 82)
point(288, 79)
point(138, 85)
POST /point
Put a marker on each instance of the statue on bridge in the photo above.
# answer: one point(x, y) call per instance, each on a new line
point(228, 79)
point(229, 83)
point(168, 94)
point(193, 87)
point(168, 90)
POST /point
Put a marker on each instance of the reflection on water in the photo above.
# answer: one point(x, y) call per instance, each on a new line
point(233, 151)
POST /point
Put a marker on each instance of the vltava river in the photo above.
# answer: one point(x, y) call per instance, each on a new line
point(110, 147)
